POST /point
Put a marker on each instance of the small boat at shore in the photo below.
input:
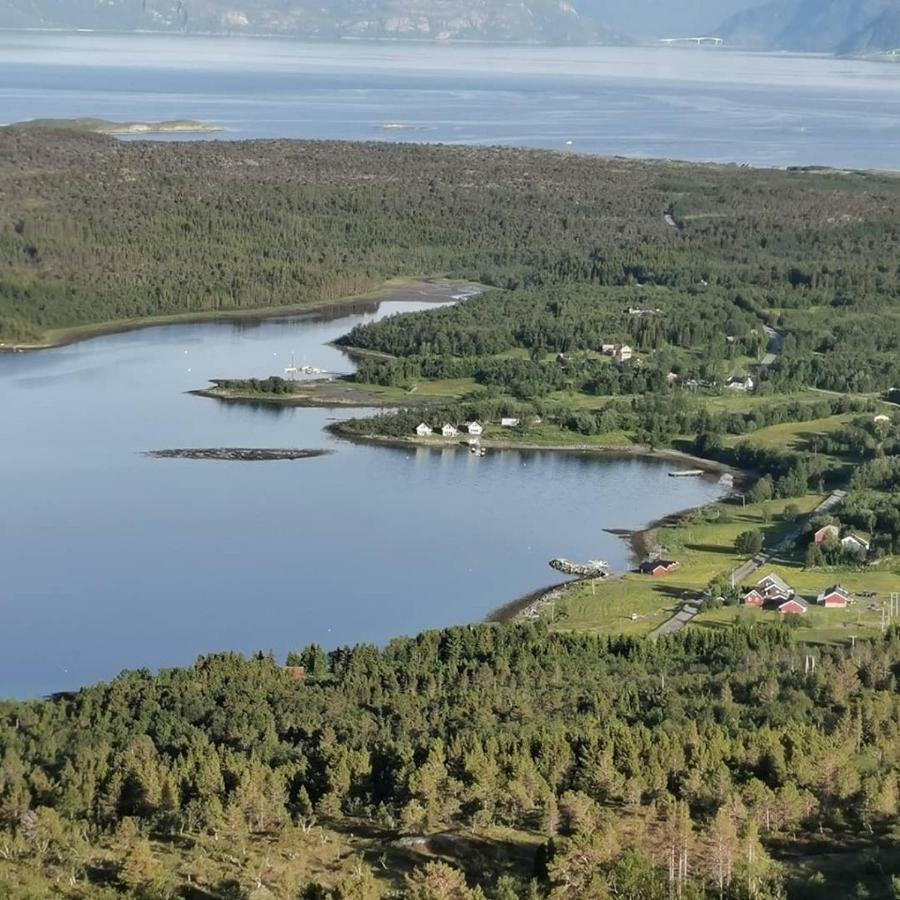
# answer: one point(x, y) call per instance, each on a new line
point(293, 369)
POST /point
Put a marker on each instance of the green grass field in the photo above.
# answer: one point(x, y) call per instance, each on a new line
point(794, 435)
point(704, 545)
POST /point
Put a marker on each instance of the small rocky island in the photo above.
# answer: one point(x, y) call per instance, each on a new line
point(104, 126)
point(235, 454)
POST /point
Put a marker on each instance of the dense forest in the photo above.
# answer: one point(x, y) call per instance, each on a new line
point(707, 765)
point(93, 230)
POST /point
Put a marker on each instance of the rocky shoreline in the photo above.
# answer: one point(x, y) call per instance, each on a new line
point(235, 454)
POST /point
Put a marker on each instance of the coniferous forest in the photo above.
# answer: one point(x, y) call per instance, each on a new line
point(479, 762)
point(94, 230)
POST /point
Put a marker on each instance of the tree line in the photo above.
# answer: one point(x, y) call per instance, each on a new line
point(95, 230)
point(642, 769)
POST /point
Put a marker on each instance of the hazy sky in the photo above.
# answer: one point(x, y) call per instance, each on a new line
point(658, 18)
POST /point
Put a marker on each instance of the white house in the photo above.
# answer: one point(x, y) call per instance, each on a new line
point(855, 543)
point(423, 430)
point(449, 431)
point(881, 419)
point(474, 428)
point(738, 383)
point(623, 353)
point(509, 422)
point(608, 349)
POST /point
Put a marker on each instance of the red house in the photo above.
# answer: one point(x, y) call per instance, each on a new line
point(825, 533)
point(834, 597)
point(754, 598)
point(795, 606)
point(658, 567)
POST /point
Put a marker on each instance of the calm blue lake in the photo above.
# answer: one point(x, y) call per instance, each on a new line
point(111, 559)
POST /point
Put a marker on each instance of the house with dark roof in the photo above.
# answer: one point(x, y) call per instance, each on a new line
point(773, 587)
point(658, 567)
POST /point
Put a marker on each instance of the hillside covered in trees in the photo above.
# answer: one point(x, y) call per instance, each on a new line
point(94, 230)
point(494, 762)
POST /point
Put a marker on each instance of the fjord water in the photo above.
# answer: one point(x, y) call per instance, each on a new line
point(110, 559)
point(661, 102)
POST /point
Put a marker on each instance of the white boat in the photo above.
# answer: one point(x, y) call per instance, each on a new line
point(294, 369)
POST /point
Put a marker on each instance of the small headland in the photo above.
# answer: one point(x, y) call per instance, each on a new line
point(321, 392)
point(115, 129)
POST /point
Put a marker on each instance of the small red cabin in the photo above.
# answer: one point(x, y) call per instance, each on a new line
point(794, 607)
point(658, 567)
point(754, 598)
point(835, 597)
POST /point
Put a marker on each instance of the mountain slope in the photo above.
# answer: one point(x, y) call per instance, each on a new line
point(517, 20)
point(882, 33)
point(817, 26)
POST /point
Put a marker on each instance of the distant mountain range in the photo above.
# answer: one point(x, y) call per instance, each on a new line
point(497, 20)
point(817, 26)
point(825, 26)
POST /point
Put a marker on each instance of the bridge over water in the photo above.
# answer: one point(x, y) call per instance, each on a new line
point(711, 41)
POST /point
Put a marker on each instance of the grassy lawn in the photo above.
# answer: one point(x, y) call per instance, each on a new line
point(608, 607)
point(818, 625)
point(548, 434)
point(793, 435)
point(343, 392)
point(704, 545)
point(445, 389)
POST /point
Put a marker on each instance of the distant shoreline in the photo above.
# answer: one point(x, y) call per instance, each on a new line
point(624, 42)
point(119, 129)
point(622, 451)
point(397, 289)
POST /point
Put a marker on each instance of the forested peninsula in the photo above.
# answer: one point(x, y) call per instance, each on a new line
point(96, 230)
